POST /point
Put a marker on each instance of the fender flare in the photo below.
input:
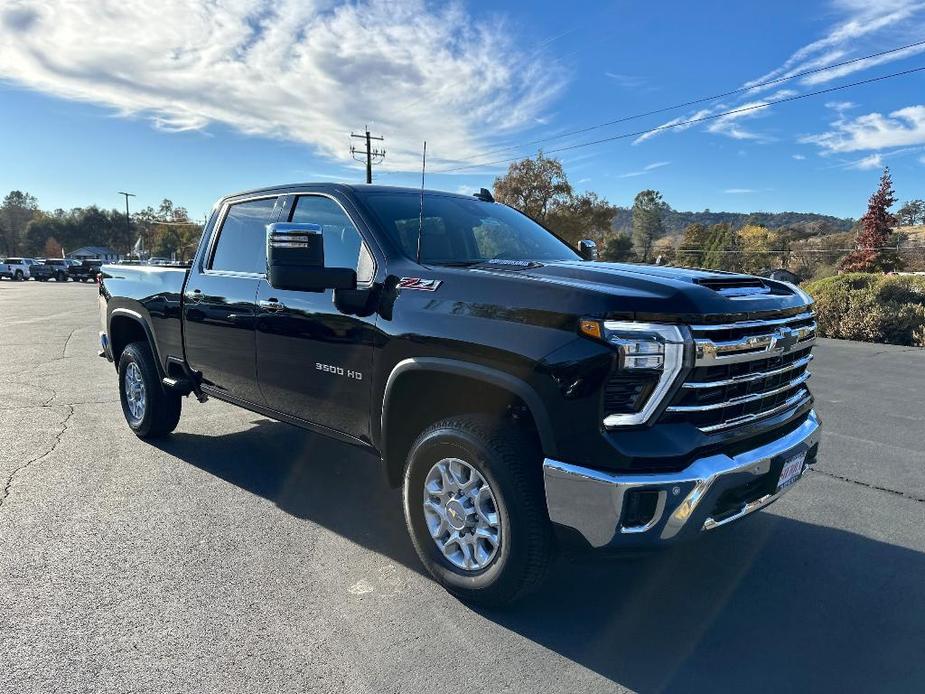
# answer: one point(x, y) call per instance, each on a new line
point(492, 376)
point(137, 318)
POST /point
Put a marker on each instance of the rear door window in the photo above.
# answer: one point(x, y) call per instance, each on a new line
point(242, 240)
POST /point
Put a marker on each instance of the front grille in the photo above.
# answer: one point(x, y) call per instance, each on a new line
point(745, 371)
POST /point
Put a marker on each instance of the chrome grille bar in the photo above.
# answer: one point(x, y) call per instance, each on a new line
point(745, 378)
point(722, 377)
point(752, 346)
point(799, 380)
point(792, 402)
point(753, 323)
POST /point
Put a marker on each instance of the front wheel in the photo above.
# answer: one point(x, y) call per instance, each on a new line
point(60, 277)
point(475, 508)
point(19, 277)
point(149, 409)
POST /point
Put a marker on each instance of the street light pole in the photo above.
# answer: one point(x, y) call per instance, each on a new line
point(128, 223)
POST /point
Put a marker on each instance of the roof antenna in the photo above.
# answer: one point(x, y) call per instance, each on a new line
point(421, 220)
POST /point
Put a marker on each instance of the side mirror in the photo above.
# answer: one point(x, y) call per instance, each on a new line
point(295, 260)
point(587, 249)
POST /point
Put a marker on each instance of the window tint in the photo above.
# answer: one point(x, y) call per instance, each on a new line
point(242, 241)
point(343, 246)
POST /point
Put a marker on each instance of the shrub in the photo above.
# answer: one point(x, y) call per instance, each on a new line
point(871, 307)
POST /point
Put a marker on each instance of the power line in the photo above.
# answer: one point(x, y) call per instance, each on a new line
point(377, 154)
point(692, 121)
point(799, 250)
point(704, 99)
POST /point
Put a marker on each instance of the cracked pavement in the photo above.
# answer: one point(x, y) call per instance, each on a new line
point(243, 555)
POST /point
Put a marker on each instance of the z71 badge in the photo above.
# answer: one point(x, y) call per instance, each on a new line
point(418, 283)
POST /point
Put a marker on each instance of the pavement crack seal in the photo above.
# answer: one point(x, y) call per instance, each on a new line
point(66, 342)
point(9, 480)
point(895, 492)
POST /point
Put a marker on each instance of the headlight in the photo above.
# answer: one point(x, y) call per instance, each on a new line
point(651, 352)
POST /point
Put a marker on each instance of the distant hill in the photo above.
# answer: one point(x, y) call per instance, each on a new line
point(802, 223)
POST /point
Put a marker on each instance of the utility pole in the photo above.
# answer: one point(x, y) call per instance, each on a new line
point(128, 223)
point(377, 154)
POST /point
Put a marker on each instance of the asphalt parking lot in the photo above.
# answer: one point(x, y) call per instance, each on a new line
point(243, 555)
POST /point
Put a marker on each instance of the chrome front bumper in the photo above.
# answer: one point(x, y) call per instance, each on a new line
point(591, 501)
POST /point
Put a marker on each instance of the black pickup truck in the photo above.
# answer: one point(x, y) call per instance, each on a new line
point(85, 271)
point(523, 395)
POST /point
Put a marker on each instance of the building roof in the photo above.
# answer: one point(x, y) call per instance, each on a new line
point(93, 250)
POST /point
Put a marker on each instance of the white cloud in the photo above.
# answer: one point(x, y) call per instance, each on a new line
point(862, 28)
point(645, 169)
point(302, 70)
point(673, 125)
point(799, 157)
point(874, 131)
point(840, 106)
point(625, 81)
point(871, 161)
point(739, 191)
point(729, 124)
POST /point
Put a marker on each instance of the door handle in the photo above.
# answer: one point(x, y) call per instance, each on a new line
point(271, 305)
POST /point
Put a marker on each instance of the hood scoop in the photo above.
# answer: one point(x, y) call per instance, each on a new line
point(735, 287)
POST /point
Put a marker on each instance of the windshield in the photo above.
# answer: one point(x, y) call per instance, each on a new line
point(459, 231)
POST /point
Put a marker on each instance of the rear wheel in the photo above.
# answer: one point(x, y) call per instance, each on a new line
point(475, 508)
point(149, 409)
point(19, 277)
point(60, 277)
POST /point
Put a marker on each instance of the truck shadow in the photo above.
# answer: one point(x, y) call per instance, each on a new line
point(770, 604)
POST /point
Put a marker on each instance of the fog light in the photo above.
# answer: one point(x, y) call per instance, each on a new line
point(639, 507)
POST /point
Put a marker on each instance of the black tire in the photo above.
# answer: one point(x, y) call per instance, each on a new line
point(161, 411)
point(60, 277)
point(18, 276)
point(508, 460)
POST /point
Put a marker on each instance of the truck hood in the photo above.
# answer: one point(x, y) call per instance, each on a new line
point(654, 289)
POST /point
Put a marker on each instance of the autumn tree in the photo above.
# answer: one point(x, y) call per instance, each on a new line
point(53, 248)
point(693, 241)
point(584, 216)
point(540, 189)
point(664, 251)
point(534, 186)
point(755, 244)
point(648, 207)
point(870, 252)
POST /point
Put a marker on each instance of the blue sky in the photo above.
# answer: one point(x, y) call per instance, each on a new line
point(189, 101)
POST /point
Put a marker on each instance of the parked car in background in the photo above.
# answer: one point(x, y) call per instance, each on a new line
point(86, 270)
point(60, 267)
point(38, 270)
point(159, 261)
point(15, 268)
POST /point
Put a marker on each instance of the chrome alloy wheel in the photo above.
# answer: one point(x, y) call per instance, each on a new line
point(461, 514)
point(134, 387)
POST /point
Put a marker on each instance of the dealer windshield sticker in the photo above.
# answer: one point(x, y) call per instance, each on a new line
point(418, 283)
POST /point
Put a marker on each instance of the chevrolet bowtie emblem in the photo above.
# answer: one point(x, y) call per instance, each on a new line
point(783, 340)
